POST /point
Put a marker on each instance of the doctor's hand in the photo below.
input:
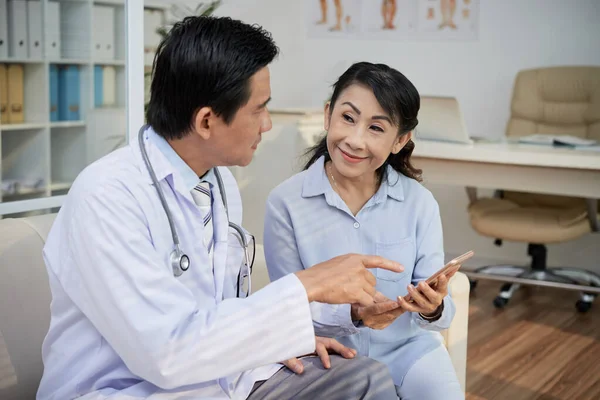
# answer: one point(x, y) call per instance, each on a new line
point(379, 315)
point(426, 300)
point(325, 346)
point(345, 279)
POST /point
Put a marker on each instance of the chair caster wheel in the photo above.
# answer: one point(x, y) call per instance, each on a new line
point(472, 284)
point(500, 302)
point(583, 306)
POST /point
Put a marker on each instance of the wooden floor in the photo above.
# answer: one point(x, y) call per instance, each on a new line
point(538, 347)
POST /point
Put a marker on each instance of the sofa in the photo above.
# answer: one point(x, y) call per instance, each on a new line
point(25, 299)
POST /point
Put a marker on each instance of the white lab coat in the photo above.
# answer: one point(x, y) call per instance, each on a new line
point(124, 327)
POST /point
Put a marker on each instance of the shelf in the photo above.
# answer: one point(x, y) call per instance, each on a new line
point(67, 124)
point(38, 150)
point(69, 61)
point(60, 186)
point(21, 61)
point(22, 127)
point(24, 192)
point(109, 2)
point(115, 63)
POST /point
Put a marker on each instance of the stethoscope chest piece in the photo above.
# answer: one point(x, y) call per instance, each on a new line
point(179, 262)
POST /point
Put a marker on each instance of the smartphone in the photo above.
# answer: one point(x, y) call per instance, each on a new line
point(451, 267)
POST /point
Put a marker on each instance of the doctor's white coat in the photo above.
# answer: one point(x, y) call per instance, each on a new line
point(123, 326)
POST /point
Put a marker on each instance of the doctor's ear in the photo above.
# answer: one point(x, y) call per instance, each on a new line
point(203, 121)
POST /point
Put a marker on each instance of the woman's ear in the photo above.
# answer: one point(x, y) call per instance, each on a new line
point(401, 142)
point(203, 122)
point(327, 119)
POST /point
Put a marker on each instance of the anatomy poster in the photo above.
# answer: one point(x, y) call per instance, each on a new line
point(448, 19)
point(334, 18)
point(393, 19)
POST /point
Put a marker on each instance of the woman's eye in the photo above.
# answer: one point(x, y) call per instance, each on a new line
point(377, 128)
point(347, 118)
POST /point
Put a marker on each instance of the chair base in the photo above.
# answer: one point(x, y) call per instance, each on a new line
point(539, 275)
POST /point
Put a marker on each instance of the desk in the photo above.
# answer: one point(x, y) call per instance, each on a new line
point(510, 166)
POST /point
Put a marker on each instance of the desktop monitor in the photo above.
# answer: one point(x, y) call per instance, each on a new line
point(441, 119)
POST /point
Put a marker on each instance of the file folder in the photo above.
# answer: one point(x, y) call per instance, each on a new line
point(109, 85)
point(68, 93)
point(17, 28)
point(34, 31)
point(54, 93)
point(3, 94)
point(103, 33)
point(52, 44)
point(3, 29)
point(98, 86)
point(15, 94)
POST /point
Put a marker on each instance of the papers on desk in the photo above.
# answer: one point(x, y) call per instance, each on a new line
point(558, 140)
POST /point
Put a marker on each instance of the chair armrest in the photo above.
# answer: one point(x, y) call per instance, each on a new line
point(455, 337)
point(592, 207)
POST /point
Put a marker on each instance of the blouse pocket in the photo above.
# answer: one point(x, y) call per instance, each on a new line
point(402, 251)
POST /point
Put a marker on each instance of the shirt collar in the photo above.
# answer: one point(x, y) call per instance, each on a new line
point(189, 177)
point(316, 183)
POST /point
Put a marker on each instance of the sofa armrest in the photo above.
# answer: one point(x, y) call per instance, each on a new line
point(455, 337)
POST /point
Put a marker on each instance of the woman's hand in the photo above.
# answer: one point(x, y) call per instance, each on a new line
point(425, 299)
point(324, 347)
point(378, 316)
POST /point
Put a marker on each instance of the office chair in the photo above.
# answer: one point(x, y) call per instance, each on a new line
point(557, 100)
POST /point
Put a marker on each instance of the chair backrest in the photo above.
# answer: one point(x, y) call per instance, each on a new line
point(24, 304)
point(555, 100)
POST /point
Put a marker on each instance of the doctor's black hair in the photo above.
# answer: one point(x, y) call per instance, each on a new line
point(205, 62)
point(397, 96)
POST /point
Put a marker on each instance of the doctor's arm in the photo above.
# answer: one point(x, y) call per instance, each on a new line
point(283, 258)
point(155, 322)
point(429, 259)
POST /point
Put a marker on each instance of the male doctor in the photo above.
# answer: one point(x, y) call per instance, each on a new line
point(127, 324)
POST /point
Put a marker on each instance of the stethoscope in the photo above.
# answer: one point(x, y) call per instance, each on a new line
point(180, 262)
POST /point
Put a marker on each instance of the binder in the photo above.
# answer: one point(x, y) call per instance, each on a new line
point(68, 93)
point(3, 29)
point(153, 19)
point(103, 33)
point(98, 86)
point(15, 94)
point(53, 92)
point(34, 31)
point(17, 28)
point(109, 85)
point(52, 46)
point(3, 94)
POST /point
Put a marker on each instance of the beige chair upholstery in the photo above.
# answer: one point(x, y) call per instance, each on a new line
point(25, 304)
point(557, 100)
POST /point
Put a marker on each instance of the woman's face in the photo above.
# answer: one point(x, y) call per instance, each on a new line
point(360, 134)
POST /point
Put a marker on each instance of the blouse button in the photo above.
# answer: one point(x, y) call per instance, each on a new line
point(356, 225)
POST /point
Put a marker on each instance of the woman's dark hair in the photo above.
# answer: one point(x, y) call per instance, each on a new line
point(396, 95)
point(205, 62)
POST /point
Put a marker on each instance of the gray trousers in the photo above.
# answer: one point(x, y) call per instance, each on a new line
point(347, 379)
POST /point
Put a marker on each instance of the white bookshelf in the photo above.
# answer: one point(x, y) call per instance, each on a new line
point(56, 151)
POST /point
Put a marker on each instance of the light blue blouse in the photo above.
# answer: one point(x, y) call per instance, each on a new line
point(307, 223)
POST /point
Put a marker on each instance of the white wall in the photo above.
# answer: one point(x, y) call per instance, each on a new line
point(514, 35)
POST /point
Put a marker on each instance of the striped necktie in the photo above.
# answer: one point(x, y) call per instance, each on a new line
point(203, 198)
